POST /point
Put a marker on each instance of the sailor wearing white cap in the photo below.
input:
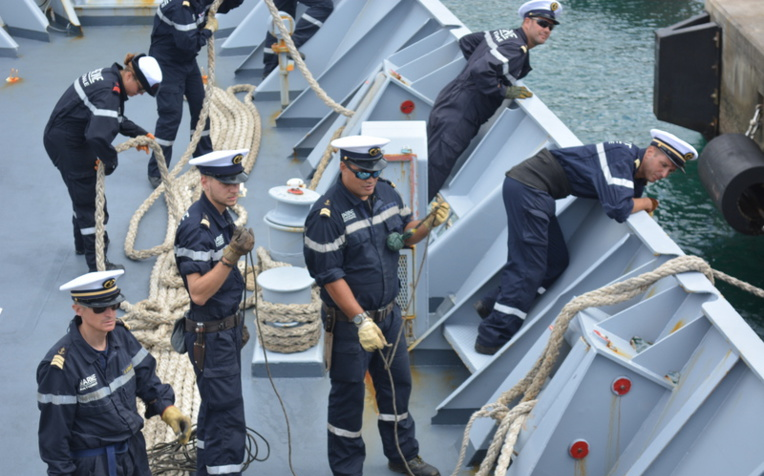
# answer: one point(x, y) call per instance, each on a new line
point(226, 166)
point(496, 60)
point(614, 173)
point(88, 383)
point(148, 73)
point(208, 246)
point(679, 151)
point(541, 9)
point(80, 133)
point(348, 254)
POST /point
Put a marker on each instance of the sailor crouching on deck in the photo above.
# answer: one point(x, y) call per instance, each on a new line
point(615, 173)
point(207, 249)
point(348, 252)
point(87, 386)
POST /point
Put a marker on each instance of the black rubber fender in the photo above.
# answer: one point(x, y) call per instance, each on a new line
point(731, 168)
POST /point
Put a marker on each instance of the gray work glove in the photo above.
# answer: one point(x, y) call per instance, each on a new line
point(517, 92)
point(242, 242)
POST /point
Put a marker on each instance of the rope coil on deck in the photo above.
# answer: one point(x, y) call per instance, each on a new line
point(286, 328)
point(511, 420)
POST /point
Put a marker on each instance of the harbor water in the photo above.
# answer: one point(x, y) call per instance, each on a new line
point(596, 73)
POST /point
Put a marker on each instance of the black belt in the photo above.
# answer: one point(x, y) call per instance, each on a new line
point(214, 326)
point(377, 315)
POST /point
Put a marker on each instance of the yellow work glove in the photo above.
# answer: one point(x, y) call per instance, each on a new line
point(371, 336)
point(212, 24)
point(439, 211)
point(242, 242)
point(517, 92)
point(180, 423)
point(145, 148)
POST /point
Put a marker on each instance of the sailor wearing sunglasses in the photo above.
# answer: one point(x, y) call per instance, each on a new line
point(88, 383)
point(496, 60)
point(348, 253)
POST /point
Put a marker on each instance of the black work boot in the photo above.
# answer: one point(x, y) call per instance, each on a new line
point(417, 467)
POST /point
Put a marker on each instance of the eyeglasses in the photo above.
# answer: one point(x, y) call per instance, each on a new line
point(364, 174)
point(101, 310)
point(545, 24)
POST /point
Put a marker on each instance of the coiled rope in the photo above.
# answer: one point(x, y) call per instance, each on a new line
point(511, 420)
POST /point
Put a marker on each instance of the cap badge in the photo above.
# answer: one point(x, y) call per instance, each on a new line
point(237, 159)
point(688, 156)
point(375, 151)
point(109, 283)
point(554, 6)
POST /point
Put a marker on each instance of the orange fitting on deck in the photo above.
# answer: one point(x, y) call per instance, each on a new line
point(14, 77)
point(280, 47)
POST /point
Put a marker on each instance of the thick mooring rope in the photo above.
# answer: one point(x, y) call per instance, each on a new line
point(510, 421)
point(336, 107)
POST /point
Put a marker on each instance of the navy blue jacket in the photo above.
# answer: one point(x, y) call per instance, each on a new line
point(92, 112)
point(179, 31)
point(199, 241)
point(604, 171)
point(495, 60)
point(84, 404)
point(345, 237)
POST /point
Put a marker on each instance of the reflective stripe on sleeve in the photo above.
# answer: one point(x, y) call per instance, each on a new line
point(606, 170)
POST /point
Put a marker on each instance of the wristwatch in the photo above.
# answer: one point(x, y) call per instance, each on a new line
point(358, 318)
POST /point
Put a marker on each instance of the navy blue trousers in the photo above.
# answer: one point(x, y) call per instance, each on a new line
point(220, 429)
point(350, 363)
point(536, 256)
point(76, 164)
point(178, 80)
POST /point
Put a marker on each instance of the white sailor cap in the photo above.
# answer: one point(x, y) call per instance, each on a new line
point(224, 165)
point(363, 151)
point(541, 9)
point(148, 73)
point(96, 289)
point(675, 148)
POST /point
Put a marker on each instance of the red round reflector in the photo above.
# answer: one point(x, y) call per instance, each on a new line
point(407, 107)
point(579, 449)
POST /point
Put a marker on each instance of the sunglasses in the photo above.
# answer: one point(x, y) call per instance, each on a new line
point(101, 310)
point(545, 24)
point(364, 174)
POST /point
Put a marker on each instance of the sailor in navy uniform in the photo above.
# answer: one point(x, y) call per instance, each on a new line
point(615, 173)
point(307, 26)
point(181, 29)
point(347, 252)
point(207, 249)
point(81, 129)
point(87, 386)
point(495, 61)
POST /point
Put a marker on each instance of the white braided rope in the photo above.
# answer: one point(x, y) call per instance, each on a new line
point(530, 386)
point(336, 107)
